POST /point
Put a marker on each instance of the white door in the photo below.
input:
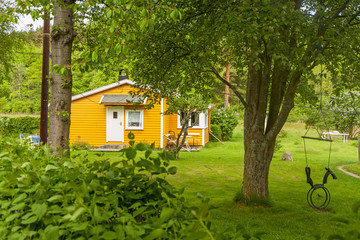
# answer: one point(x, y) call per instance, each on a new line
point(115, 124)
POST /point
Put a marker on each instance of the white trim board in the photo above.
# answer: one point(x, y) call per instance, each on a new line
point(97, 90)
point(162, 124)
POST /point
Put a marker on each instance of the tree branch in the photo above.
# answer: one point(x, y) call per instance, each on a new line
point(263, 86)
point(353, 18)
point(342, 8)
point(232, 87)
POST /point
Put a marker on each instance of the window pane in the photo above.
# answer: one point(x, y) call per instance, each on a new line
point(134, 119)
point(195, 119)
point(115, 115)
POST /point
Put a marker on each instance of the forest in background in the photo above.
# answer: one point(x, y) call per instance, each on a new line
point(20, 84)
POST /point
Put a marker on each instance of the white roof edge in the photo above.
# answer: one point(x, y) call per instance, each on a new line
point(97, 90)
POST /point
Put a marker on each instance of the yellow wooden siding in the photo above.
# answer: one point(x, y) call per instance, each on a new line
point(88, 120)
point(152, 127)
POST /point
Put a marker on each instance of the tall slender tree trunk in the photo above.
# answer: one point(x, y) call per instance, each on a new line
point(62, 36)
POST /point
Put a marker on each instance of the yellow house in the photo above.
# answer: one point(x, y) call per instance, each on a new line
point(105, 116)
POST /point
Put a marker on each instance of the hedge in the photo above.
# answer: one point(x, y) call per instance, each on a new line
point(17, 125)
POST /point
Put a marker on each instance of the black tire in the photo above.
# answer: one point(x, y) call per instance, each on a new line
point(318, 196)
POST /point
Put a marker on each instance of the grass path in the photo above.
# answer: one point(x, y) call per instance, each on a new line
point(341, 168)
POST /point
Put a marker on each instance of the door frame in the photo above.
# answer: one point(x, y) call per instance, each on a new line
point(108, 128)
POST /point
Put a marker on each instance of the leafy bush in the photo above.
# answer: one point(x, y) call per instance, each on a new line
point(346, 112)
point(19, 125)
point(226, 119)
point(278, 145)
point(81, 145)
point(17, 106)
point(43, 197)
point(216, 130)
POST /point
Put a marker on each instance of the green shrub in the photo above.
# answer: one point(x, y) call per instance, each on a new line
point(81, 145)
point(17, 106)
point(226, 119)
point(44, 197)
point(283, 133)
point(278, 145)
point(216, 130)
point(28, 125)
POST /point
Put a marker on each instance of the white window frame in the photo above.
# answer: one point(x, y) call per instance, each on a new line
point(206, 119)
point(141, 127)
point(202, 121)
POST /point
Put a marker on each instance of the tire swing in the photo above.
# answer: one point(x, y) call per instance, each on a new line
point(318, 195)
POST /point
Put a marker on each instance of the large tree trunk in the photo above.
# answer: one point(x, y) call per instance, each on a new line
point(270, 96)
point(258, 155)
point(61, 84)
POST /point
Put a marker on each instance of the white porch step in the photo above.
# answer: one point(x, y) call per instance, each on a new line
point(109, 148)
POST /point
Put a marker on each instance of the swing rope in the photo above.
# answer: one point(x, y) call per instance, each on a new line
point(305, 153)
point(329, 155)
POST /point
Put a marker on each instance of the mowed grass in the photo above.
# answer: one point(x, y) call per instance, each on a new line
point(216, 172)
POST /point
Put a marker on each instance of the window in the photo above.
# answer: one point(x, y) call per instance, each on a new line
point(134, 119)
point(194, 120)
point(115, 115)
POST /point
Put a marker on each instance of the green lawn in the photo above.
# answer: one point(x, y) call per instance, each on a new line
point(216, 172)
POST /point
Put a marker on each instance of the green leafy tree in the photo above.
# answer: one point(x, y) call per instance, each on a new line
point(185, 44)
point(21, 85)
point(69, 18)
point(346, 111)
point(6, 37)
point(62, 36)
point(188, 106)
point(275, 44)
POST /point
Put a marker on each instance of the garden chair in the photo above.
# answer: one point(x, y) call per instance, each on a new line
point(171, 140)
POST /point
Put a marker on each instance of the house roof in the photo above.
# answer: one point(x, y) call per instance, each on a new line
point(97, 90)
point(109, 98)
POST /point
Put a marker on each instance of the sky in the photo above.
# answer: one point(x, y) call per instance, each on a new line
point(25, 22)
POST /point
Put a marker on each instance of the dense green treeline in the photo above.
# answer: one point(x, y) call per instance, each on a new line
point(20, 85)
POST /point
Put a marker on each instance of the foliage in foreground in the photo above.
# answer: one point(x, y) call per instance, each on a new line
point(45, 198)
